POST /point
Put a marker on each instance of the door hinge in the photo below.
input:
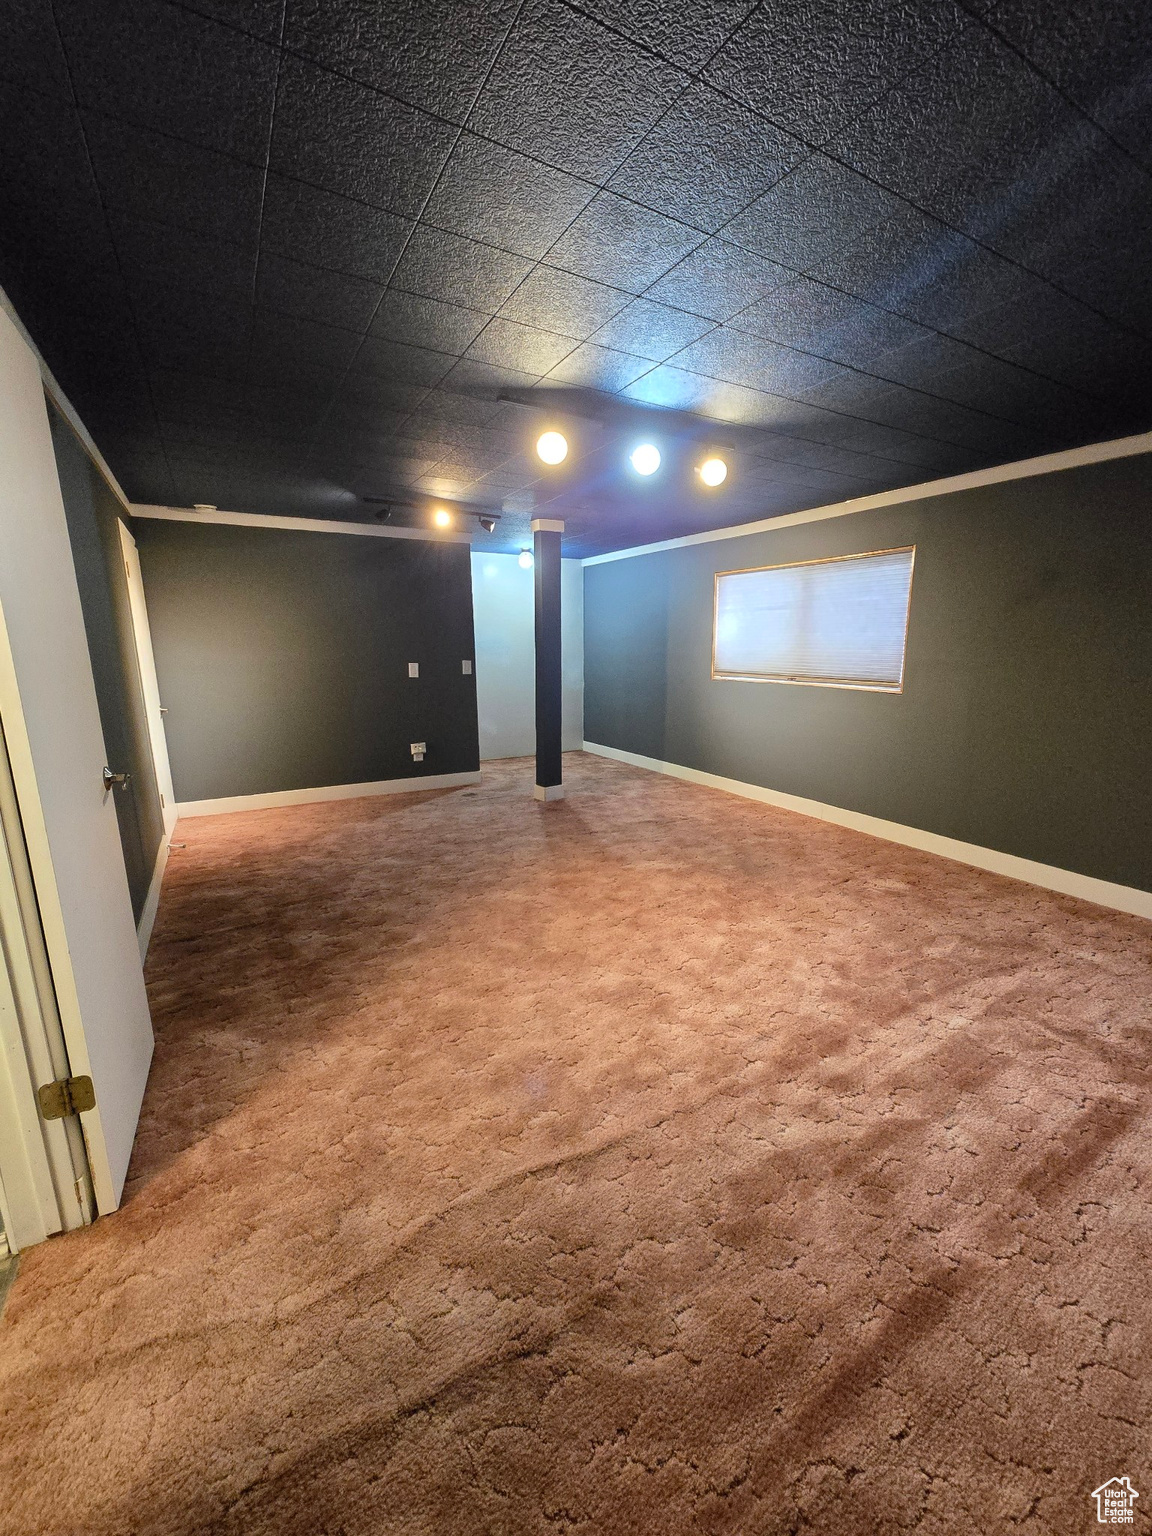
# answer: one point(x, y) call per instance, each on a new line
point(68, 1096)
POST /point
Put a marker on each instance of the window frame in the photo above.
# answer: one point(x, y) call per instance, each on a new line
point(816, 682)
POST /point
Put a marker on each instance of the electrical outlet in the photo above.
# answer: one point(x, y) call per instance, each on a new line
point(418, 750)
point(413, 669)
point(466, 668)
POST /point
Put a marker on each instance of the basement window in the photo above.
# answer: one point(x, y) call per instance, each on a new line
point(839, 623)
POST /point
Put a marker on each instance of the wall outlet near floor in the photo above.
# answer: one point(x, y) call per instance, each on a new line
point(418, 750)
point(413, 669)
point(466, 668)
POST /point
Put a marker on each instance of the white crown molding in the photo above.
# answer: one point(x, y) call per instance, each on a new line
point(1023, 469)
point(1104, 893)
point(281, 797)
point(293, 524)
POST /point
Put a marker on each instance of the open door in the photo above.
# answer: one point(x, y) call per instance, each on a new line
point(56, 749)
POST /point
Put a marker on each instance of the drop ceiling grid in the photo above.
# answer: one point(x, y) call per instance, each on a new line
point(267, 210)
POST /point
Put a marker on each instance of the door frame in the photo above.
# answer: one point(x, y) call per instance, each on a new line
point(45, 1180)
point(149, 683)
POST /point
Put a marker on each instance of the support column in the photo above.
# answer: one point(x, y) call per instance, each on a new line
point(549, 679)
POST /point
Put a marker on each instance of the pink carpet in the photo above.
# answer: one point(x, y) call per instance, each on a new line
point(653, 1162)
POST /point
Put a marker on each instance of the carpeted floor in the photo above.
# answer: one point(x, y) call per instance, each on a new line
point(654, 1162)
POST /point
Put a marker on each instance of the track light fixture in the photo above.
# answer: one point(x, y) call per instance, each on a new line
point(645, 458)
point(552, 447)
point(487, 523)
point(713, 471)
point(442, 518)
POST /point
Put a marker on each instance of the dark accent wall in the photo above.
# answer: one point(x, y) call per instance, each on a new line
point(283, 656)
point(94, 514)
point(1025, 724)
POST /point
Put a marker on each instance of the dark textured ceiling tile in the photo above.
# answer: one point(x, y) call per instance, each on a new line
point(510, 345)
point(284, 345)
point(165, 68)
point(718, 280)
point(328, 231)
point(815, 318)
point(1096, 51)
point(560, 302)
point(913, 265)
point(687, 32)
point(906, 409)
point(166, 180)
point(433, 53)
point(1060, 338)
point(291, 288)
point(262, 18)
point(706, 160)
point(160, 253)
point(30, 52)
point(442, 266)
point(672, 389)
point(44, 167)
point(400, 363)
point(743, 359)
point(616, 242)
point(581, 97)
point(814, 65)
point(599, 368)
point(482, 380)
point(502, 198)
point(979, 140)
point(813, 212)
point(444, 327)
point(651, 330)
point(178, 330)
point(191, 397)
point(364, 400)
point(352, 140)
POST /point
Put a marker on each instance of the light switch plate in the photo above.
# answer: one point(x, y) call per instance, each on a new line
point(466, 668)
point(413, 669)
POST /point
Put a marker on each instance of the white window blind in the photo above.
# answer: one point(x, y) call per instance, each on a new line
point(838, 622)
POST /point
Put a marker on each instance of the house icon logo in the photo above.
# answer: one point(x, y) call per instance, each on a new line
point(1114, 1500)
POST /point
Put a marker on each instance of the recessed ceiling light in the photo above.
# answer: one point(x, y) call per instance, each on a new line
point(441, 518)
point(525, 561)
point(646, 459)
point(553, 447)
point(713, 471)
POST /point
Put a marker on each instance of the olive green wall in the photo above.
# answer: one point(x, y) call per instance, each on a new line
point(1025, 724)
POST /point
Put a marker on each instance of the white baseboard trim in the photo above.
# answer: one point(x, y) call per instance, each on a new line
point(329, 792)
point(152, 900)
point(1105, 893)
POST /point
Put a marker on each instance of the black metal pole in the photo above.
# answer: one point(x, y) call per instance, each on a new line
point(549, 680)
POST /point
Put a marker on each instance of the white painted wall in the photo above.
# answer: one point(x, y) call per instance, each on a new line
point(502, 598)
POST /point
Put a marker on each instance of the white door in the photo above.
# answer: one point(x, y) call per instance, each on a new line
point(149, 684)
point(56, 749)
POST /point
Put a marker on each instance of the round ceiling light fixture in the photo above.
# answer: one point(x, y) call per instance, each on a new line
point(645, 459)
point(442, 518)
point(524, 560)
point(552, 447)
point(713, 471)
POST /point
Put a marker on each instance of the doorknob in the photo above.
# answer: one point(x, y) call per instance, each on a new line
point(119, 779)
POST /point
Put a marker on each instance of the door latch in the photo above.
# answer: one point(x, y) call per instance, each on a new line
point(119, 779)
